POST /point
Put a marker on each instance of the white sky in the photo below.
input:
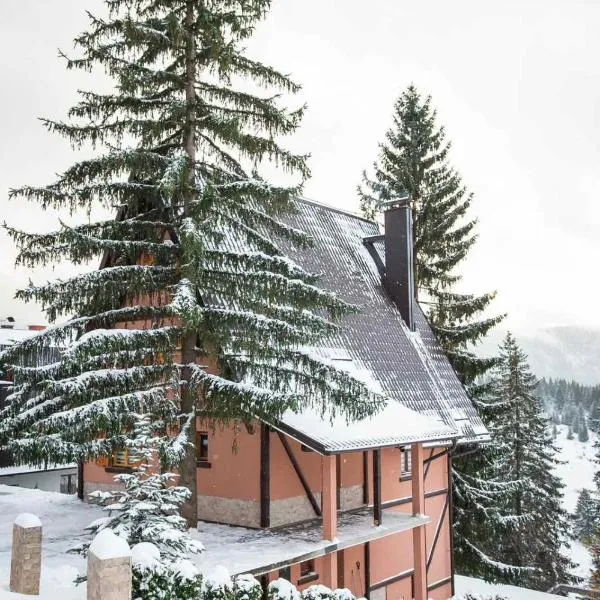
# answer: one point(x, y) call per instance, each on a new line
point(516, 84)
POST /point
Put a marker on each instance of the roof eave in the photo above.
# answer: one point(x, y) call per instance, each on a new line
point(326, 450)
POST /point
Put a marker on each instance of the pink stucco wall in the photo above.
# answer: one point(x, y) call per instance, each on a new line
point(234, 456)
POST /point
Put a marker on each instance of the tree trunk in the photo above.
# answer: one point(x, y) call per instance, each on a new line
point(188, 467)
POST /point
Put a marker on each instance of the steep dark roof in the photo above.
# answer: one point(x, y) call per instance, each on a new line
point(409, 366)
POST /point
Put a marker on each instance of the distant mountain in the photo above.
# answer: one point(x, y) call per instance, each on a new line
point(568, 352)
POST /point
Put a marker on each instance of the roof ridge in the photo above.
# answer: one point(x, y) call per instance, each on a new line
point(335, 209)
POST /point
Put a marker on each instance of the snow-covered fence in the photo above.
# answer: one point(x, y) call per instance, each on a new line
point(26, 558)
point(109, 568)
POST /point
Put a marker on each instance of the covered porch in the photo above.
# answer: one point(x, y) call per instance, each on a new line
point(333, 530)
point(255, 551)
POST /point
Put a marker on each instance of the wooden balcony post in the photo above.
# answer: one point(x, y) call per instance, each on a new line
point(418, 507)
point(329, 512)
point(329, 498)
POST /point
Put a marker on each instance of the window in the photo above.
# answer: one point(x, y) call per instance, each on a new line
point(202, 454)
point(121, 460)
point(285, 573)
point(307, 572)
point(405, 464)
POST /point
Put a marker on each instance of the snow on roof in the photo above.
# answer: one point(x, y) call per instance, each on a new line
point(255, 551)
point(395, 425)
point(23, 469)
point(411, 368)
point(465, 585)
point(10, 336)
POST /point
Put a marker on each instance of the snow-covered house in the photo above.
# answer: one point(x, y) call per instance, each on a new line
point(52, 478)
point(365, 506)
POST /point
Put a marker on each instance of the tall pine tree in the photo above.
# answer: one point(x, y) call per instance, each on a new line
point(538, 526)
point(414, 161)
point(192, 272)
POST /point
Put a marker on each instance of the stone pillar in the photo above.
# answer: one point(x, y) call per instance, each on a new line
point(26, 560)
point(418, 506)
point(109, 568)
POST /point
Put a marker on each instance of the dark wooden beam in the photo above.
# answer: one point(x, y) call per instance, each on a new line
point(80, 479)
point(301, 477)
point(408, 499)
point(438, 530)
point(340, 567)
point(390, 580)
point(367, 571)
point(431, 457)
point(427, 462)
point(265, 475)
point(338, 481)
point(437, 584)
point(377, 514)
point(366, 477)
point(264, 584)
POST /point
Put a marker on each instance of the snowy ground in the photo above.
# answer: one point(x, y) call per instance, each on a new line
point(482, 589)
point(577, 473)
point(63, 520)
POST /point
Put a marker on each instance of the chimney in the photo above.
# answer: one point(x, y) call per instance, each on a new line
point(399, 246)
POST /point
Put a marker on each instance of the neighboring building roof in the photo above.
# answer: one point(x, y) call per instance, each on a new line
point(12, 335)
point(8, 336)
point(409, 367)
point(25, 469)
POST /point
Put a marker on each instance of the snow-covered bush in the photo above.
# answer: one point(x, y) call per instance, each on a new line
point(153, 580)
point(344, 594)
point(317, 592)
point(282, 589)
point(217, 586)
point(246, 587)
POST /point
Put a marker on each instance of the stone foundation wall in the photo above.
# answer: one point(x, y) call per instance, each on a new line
point(93, 486)
point(233, 511)
point(351, 497)
point(292, 510)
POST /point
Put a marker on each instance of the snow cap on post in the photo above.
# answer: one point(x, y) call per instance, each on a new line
point(27, 521)
point(109, 545)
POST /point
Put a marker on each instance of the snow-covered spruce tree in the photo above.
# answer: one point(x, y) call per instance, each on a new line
point(585, 518)
point(538, 525)
point(483, 521)
point(192, 271)
point(414, 161)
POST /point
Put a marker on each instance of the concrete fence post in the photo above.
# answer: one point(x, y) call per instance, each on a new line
point(26, 559)
point(109, 568)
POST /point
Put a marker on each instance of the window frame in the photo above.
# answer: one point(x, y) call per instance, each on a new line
point(202, 442)
point(405, 463)
point(117, 466)
point(308, 572)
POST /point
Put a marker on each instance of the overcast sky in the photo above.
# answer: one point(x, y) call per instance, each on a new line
point(516, 84)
